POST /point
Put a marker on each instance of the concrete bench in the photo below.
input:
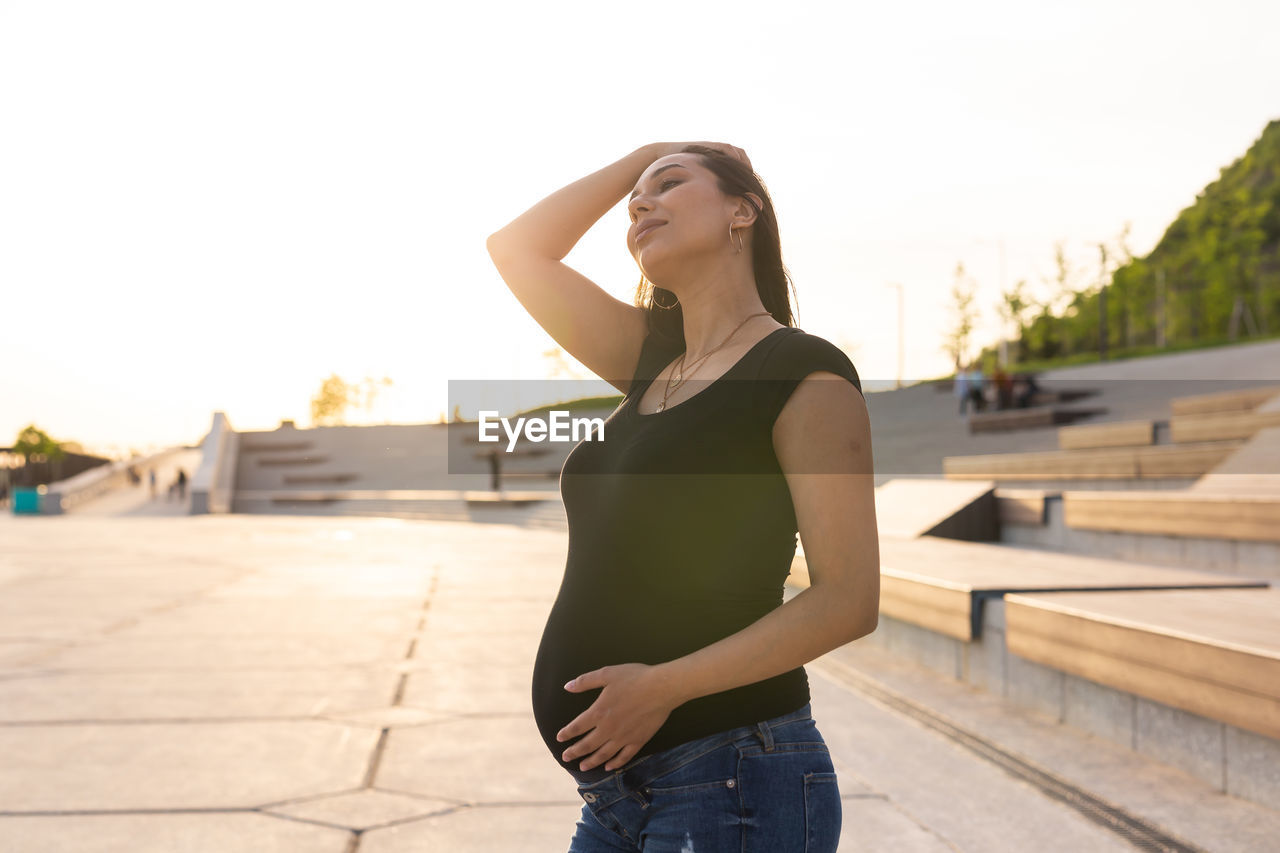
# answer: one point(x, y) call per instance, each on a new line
point(318, 479)
point(941, 585)
point(1028, 507)
point(1221, 426)
point(1121, 463)
point(1062, 395)
point(1029, 418)
point(948, 606)
point(1181, 513)
point(1215, 653)
point(1252, 470)
point(1118, 434)
point(1224, 401)
point(266, 461)
point(914, 506)
point(1239, 499)
point(268, 446)
point(531, 475)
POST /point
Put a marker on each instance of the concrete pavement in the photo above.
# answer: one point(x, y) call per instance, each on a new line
point(361, 685)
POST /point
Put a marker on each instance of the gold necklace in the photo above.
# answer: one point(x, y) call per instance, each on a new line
point(676, 373)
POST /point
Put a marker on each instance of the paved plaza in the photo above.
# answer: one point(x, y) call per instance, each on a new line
point(212, 684)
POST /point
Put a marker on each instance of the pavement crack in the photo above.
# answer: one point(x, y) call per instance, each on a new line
point(376, 759)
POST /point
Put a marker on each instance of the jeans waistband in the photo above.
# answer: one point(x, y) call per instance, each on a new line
point(620, 782)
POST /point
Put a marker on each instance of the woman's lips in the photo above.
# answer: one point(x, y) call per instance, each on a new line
point(648, 229)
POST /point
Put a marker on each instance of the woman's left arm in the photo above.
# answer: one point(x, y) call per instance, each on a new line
point(822, 439)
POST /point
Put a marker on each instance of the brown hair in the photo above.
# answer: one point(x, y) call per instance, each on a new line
point(734, 178)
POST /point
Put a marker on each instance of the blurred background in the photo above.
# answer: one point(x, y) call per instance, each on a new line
point(252, 207)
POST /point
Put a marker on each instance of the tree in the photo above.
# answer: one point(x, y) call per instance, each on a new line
point(962, 294)
point(330, 404)
point(370, 388)
point(1066, 298)
point(1118, 256)
point(1014, 304)
point(1042, 338)
point(1214, 273)
point(36, 447)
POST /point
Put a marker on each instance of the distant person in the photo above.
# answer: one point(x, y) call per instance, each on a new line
point(961, 387)
point(1004, 389)
point(977, 388)
point(182, 484)
point(672, 562)
point(1019, 390)
point(152, 477)
point(495, 470)
point(1029, 390)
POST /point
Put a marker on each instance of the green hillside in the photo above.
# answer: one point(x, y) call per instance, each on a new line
point(1214, 277)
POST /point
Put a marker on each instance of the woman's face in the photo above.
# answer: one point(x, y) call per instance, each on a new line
point(677, 210)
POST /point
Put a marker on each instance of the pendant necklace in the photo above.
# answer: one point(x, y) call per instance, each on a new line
point(678, 373)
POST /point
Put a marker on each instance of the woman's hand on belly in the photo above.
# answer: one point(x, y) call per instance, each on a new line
point(635, 702)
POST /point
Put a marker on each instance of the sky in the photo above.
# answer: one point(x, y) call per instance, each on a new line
point(214, 206)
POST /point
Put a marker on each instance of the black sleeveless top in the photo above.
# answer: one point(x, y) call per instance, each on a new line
point(681, 533)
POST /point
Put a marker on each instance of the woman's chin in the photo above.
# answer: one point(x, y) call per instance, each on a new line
point(655, 266)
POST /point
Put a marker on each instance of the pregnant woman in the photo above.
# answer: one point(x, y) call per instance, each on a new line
point(670, 678)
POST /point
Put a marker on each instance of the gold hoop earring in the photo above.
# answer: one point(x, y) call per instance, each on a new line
point(654, 297)
point(739, 251)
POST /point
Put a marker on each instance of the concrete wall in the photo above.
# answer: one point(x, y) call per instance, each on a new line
point(213, 483)
point(1235, 761)
point(1229, 556)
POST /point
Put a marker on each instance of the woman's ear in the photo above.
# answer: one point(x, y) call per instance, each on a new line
point(749, 208)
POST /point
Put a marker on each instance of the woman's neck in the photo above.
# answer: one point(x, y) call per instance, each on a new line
point(710, 317)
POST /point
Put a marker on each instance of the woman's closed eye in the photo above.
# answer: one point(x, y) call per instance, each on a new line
point(662, 187)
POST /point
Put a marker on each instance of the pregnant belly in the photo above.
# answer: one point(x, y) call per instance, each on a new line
point(569, 648)
point(583, 636)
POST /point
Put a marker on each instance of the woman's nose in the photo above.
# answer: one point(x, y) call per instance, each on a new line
point(637, 206)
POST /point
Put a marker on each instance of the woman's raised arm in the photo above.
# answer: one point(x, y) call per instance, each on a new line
point(597, 329)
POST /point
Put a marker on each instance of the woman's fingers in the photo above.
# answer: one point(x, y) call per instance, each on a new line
point(738, 154)
point(622, 758)
point(600, 756)
point(589, 742)
point(596, 752)
point(727, 149)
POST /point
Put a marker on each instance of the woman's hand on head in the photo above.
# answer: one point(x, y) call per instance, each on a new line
point(723, 147)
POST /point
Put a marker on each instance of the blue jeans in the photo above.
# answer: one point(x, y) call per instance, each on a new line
point(764, 788)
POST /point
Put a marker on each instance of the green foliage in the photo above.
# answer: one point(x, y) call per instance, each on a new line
point(573, 407)
point(38, 450)
point(1034, 365)
point(330, 404)
point(962, 294)
point(1216, 268)
point(34, 445)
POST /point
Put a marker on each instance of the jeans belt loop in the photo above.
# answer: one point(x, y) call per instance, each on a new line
point(766, 736)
